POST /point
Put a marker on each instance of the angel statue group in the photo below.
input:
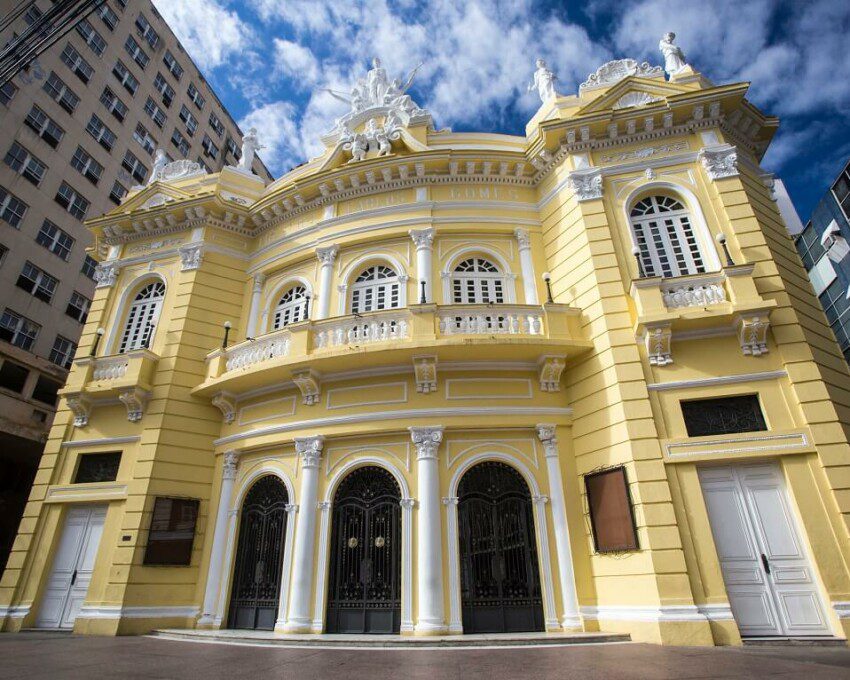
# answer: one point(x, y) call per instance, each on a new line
point(376, 89)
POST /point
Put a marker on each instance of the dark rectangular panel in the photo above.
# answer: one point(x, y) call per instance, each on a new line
point(172, 531)
point(611, 516)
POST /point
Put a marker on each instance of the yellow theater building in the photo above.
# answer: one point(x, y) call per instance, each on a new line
point(437, 383)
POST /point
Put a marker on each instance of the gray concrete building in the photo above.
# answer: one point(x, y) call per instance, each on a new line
point(79, 128)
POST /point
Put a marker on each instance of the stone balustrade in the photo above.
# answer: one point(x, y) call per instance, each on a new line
point(698, 293)
point(383, 326)
point(110, 368)
point(251, 352)
point(491, 320)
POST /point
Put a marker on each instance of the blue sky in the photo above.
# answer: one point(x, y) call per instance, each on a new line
point(269, 60)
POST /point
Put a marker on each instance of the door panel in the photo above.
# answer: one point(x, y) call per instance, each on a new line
point(770, 581)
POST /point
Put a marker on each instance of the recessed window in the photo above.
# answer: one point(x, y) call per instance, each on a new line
point(119, 191)
point(136, 52)
point(291, 308)
point(134, 166)
point(87, 166)
point(37, 282)
point(12, 209)
point(142, 317)
point(75, 62)
point(375, 288)
point(162, 86)
point(216, 124)
point(171, 64)
point(156, 113)
point(145, 30)
point(195, 96)
point(97, 467)
point(127, 79)
point(178, 140)
point(210, 149)
point(18, 329)
point(93, 39)
point(61, 93)
point(104, 136)
point(190, 120)
point(143, 137)
point(78, 307)
point(664, 232)
point(25, 164)
point(44, 126)
point(109, 17)
point(172, 531)
point(7, 91)
point(70, 199)
point(726, 415)
point(114, 105)
point(611, 516)
point(233, 148)
point(46, 390)
point(89, 267)
point(13, 376)
point(62, 352)
point(56, 240)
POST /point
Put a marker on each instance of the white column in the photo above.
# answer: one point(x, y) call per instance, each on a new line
point(529, 285)
point(299, 619)
point(429, 550)
point(228, 478)
point(424, 240)
point(283, 601)
point(256, 299)
point(569, 600)
point(326, 258)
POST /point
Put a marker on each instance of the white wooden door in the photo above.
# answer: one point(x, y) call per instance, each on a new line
point(72, 567)
point(769, 579)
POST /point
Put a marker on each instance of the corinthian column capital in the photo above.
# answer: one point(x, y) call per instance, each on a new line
point(327, 255)
point(310, 450)
point(423, 238)
point(546, 435)
point(426, 440)
point(231, 462)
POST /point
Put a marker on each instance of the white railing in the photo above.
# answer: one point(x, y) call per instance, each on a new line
point(253, 352)
point(111, 368)
point(383, 326)
point(693, 293)
point(490, 320)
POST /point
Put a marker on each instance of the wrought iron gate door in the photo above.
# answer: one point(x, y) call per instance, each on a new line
point(259, 556)
point(500, 578)
point(363, 591)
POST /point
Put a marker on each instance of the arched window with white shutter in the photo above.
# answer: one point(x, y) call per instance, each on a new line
point(476, 280)
point(665, 235)
point(142, 317)
point(291, 308)
point(377, 287)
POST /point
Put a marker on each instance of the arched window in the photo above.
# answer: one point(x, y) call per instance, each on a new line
point(376, 288)
point(142, 317)
point(476, 280)
point(291, 308)
point(665, 235)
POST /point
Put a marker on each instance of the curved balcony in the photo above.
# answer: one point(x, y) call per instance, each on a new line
point(394, 337)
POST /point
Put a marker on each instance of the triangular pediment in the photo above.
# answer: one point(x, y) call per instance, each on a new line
point(402, 143)
point(632, 92)
point(152, 196)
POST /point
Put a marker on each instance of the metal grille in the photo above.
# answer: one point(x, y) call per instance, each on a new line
point(500, 581)
point(364, 593)
point(726, 415)
point(259, 556)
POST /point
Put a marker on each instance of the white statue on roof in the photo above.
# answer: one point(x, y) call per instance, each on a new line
point(250, 146)
point(544, 82)
point(674, 58)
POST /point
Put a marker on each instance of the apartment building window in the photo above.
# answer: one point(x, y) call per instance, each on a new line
point(70, 199)
point(145, 30)
point(136, 52)
point(143, 137)
point(37, 282)
point(156, 113)
point(75, 62)
point(195, 96)
point(180, 142)
point(203, 164)
point(12, 209)
point(87, 166)
point(62, 353)
point(44, 126)
point(134, 166)
point(190, 120)
point(46, 390)
point(61, 93)
point(216, 124)
point(119, 191)
point(210, 149)
point(91, 37)
point(7, 92)
point(233, 148)
point(56, 240)
point(127, 79)
point(123, 4)
point(32, 15)
point(114, 105)
point(102, 134)
point(3, 252)
point(109, 17)
point(78, 307)
point(841, 191)
point(13, 376)
point(171, 64)
point(162, 86)
point(25, 164)
point(837, 308)
point(19, 330)
point(89, 267)
point(98, 467)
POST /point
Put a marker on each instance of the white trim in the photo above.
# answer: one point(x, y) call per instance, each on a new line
point(371, 387)
point(104, 441)
point(14, 611)
point(110, 611)
point(118, 321)
point(673, 612)
point(711, 382)
point(445, 412)
point(842, 608)
point(75, 493)
point(796, 440)
point(452, 258)
point(716, 612)
point(528, 395)
point(269, 302)
point(278, 414)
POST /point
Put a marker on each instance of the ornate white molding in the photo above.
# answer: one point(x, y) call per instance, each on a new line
point(105, 274)
point(752, 333)
point(426, 440)
point(327, 254)
point(551, 368)
point(310, 450)
point(586, 184)
point(134, 399)
point(425, 371)
point(226, 402)
point(259, 282)
point(614, 71)
point(191, 256)
point(635, 99)
point(423, 238)
point(523, 238)
point(719, 161)
point(694, 294)
point(310, 384)
point(658, 340)
point(231, 464)
point(81, 408)
point(163, 171)
point(546, 435)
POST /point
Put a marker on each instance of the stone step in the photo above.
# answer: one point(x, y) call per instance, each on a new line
point(794, 642)
point(271, 639)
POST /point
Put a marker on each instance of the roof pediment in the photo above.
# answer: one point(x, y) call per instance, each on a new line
point(154, 195)
point(632, 92)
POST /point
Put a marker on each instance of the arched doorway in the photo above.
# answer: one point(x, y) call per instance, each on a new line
point(500, 577)
point(364, 586)
point(255, 593)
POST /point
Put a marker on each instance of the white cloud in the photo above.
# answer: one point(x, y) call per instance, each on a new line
point(296, 61)
point(208, 30)
point(278, 132)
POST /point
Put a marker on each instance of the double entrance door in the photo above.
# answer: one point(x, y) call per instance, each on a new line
point(769, 579)
point(73, 563)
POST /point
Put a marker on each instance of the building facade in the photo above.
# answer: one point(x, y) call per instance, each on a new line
point(824, 245)
point(82, 123)
point(442, 383)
